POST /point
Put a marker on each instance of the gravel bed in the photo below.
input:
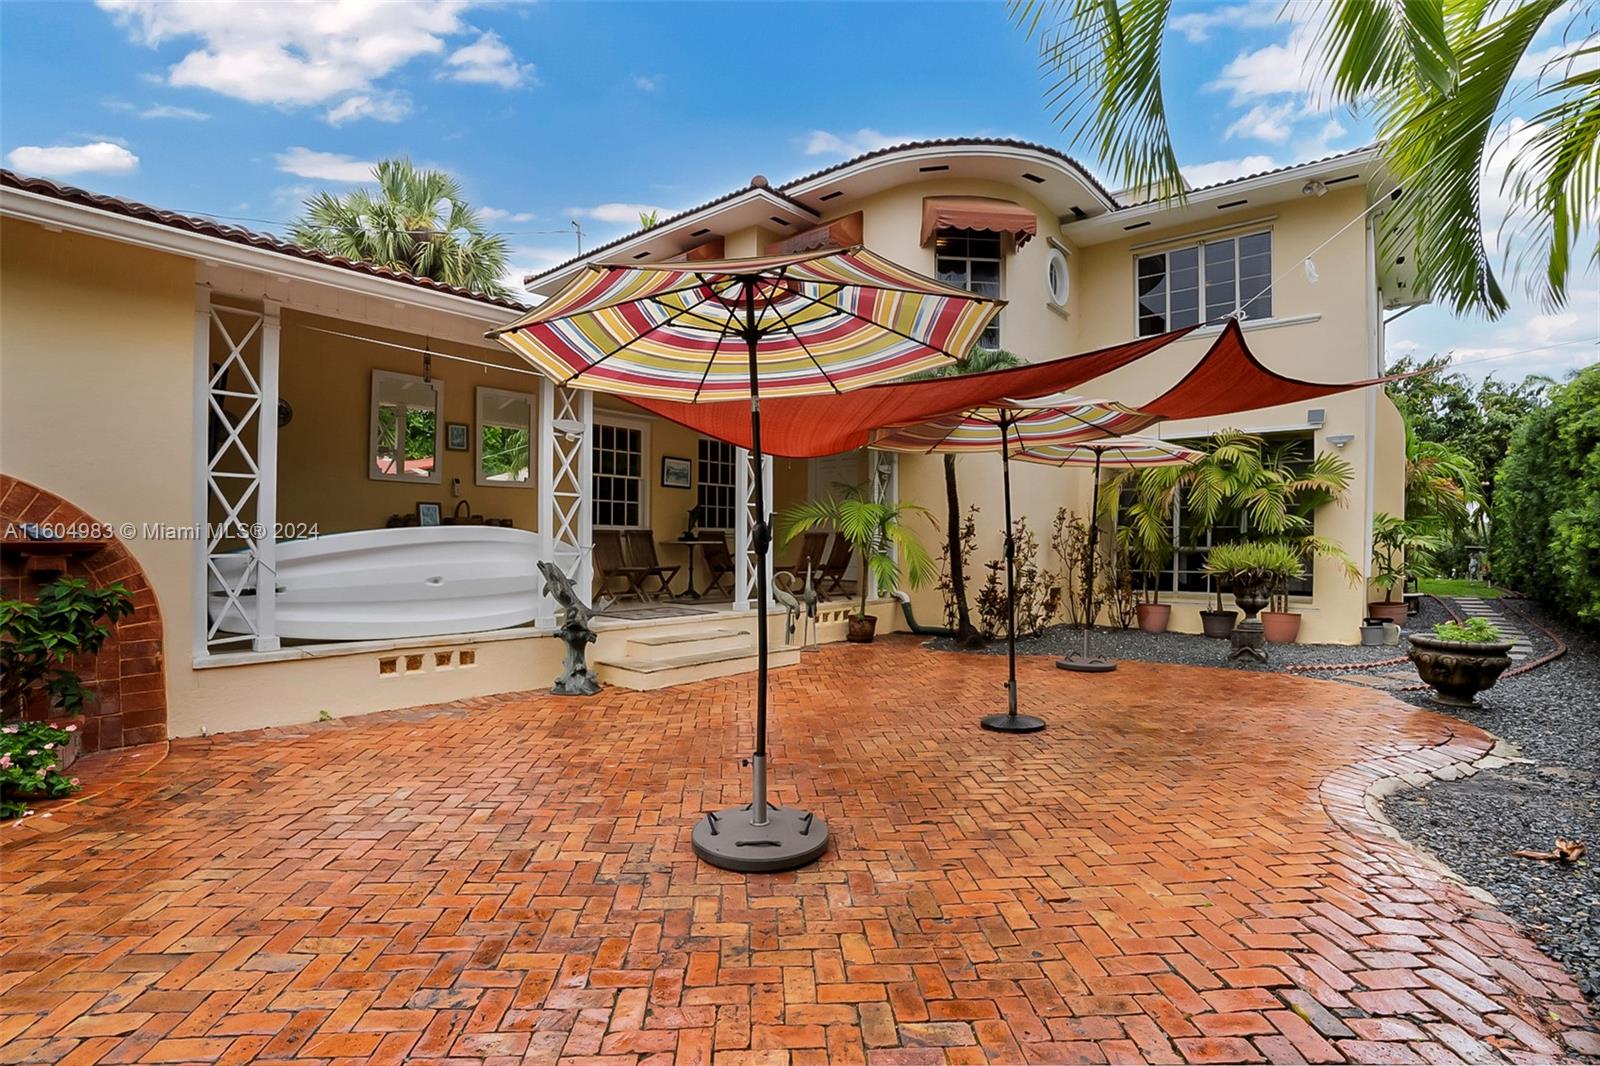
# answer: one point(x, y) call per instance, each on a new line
point(1192, 650)
point(1553, 714)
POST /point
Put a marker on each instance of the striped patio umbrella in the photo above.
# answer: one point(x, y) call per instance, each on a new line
point(1127, 452)
point(1016, 424)
point(737, 329)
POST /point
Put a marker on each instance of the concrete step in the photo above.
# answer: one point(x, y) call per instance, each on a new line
point(681, 641)
point(648, 672)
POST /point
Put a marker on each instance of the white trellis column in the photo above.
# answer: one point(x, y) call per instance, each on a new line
point(744, 489)
point(236, 473)
point(566, 518)
point(885, 480)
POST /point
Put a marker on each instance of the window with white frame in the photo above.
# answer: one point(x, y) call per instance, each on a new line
point(1204, 282)
point(971, 259)
point(620, 492)
point(715, 494)
point(405, 428)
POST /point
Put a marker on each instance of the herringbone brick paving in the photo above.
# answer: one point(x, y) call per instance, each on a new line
point(1181, 867)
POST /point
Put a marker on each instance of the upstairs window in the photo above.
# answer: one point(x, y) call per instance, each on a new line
point(714, 484)
point(970, 259)
point(1205, 282)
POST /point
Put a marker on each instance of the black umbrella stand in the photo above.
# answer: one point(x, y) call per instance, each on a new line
point(759, 837)
point(1084, 663)
point(1011, 721)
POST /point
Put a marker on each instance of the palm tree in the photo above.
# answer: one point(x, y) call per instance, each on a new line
point(1442, 485)
point(1433, 76)
point(978, 361)
point(876, 530)
point(415, 221)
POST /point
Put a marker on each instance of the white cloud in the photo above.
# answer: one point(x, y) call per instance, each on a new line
point(1201, 174)
point(1287, 67)
point(1322, 142)
point(380, 107)
point(862, 141)
point(1265, 122)
point(169, 111)
point(290, 54)
point(618, 214)
point(495, 214)
point(1558, 61)
point(488, 61)
point(99, 157)
point(324, 166)
point(1196, 26)
point(647, 83)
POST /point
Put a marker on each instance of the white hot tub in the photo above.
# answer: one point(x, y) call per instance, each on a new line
point(373, 584)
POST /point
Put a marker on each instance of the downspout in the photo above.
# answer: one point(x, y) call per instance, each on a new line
point(1374, 369)
point(911, 619)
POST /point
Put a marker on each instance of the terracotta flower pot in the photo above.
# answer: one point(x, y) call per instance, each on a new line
point(1281, 627)
point(1153, 617)
point(1458, 670)
point(1218, 624)
point(861, 628)
point(1389, 612)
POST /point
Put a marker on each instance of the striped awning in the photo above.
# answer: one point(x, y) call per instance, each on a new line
point(1028, 424)
point(1121, 451)
point(825, 321)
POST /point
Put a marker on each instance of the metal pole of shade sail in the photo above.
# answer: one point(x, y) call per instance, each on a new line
point(1011, 721)
point(759, 837)
point(1083, 663)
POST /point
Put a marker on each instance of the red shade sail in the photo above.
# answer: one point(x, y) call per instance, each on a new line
point(1226, 380)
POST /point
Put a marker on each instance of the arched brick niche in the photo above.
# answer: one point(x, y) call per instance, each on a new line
point(127, 676)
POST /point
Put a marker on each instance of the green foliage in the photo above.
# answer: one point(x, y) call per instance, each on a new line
point(1545, 538)
point(877, 531)
point(1446, 586)
point(1038, 593)
point(1433, 75)
point(30, 755)
point(415, 221)
point(1399, 547)
point(38, 639)
point(1472, 631)
point(1250, 562)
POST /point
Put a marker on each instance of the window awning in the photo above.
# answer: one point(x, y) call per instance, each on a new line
point(980, 213)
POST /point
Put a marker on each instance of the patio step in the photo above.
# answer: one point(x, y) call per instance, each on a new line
point(668, 662)
point(680, 641)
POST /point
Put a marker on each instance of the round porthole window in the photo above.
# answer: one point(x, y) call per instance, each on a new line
point(1057, 283)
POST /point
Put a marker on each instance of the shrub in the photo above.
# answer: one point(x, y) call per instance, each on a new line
point(38, 639)
point(1545, 536)
point(30, 754)
point(1037, 593)
point(1249, 562)
point(1472, 631)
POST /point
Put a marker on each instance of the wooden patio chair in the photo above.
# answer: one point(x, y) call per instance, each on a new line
point(610, 564)
point(812, 547)
point(641, 546)
point(719, 563)
point(838, 563)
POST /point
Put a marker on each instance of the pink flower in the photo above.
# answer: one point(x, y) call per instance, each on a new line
point(47, 769)
point(49, 747)
point(5, 762)
point(74, 781)
point(33, 751)
point(10, 729)
point(72, 729)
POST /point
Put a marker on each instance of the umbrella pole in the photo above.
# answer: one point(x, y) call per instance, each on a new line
point(758, 837)
point(1082, 663)
point(1011, 721)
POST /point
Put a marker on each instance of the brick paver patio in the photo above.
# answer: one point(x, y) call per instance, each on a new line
point(1181, 867)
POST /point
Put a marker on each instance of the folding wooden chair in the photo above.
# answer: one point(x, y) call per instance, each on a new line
point(641, 548)
point(719, 562)
point(610, 564)
point(838, 563)
point(812, 546)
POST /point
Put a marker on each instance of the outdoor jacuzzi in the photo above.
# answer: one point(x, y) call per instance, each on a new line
point(373, 584)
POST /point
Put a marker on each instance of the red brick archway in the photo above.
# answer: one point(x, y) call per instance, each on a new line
point(127, 677)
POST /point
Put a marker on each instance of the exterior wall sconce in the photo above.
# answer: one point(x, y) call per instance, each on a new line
point(1339, 440)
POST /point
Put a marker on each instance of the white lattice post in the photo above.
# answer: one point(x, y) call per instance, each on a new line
point(265, 533)
point(585, 411)
point(202, 459)
point(565, 484)
point(743, 576)
point(884, 470)
point(547, 484)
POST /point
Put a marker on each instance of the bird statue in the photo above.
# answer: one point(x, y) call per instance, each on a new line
point(791, 606)
point(808, 596)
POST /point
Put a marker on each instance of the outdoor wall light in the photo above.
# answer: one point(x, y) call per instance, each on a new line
point(1313, 188)
point(569, 428)
point(1339, 440)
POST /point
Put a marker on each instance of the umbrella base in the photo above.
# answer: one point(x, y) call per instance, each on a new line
point(790, 838)
point(1012, 723)
point(1081, 665)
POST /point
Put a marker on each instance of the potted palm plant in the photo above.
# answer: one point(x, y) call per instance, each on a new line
point(1253, 570)
point(1145, 531)
point(1460, 660)
point(878, 533)
point(1398, 547)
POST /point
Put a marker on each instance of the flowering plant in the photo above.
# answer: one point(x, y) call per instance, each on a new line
point(30, 765)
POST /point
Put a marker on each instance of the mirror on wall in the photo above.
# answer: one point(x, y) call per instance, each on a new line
point(405, 429)
point(505, 437)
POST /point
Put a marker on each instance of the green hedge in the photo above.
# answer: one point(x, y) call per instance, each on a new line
point(1545, 537)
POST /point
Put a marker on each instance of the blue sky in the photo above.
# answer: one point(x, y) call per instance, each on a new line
point(552, 112)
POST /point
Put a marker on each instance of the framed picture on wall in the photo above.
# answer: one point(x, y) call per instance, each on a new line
point(457, 436)
point(676, 473)
point(428, 513)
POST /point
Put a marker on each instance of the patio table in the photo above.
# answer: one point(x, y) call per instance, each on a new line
point(689, 546)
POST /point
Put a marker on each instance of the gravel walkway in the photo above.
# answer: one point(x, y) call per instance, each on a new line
point(1553, 714)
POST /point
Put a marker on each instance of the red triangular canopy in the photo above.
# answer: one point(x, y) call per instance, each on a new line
point(1226, 380)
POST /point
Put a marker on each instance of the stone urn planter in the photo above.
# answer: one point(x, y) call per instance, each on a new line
point(1458, 670)
point(861, 628)
point(1218, 624)
point(1154, 617)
